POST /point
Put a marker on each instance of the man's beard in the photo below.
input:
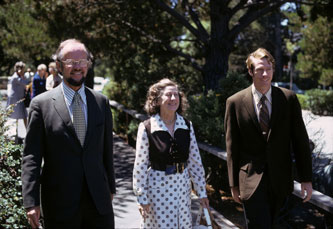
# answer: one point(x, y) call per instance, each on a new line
point(74, 82)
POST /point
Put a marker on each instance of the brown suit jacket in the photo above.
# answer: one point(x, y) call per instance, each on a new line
point(249, 154)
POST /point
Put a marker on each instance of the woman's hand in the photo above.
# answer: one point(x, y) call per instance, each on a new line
point(144, 211)
point(204, 202)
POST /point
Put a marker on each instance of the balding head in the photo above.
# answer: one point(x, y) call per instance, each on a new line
point(72, 44)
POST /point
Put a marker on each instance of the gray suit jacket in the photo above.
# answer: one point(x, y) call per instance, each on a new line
point(51, 138)
point(249, 154)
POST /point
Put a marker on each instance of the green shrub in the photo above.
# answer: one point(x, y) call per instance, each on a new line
point(12, 213)
point(116, 123)
point(133, 127)
point(233, 83)
point(207, 111)
point(320, 101)
point(303, 100)
point(125, 125)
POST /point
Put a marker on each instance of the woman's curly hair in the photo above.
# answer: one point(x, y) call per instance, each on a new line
point(155, 92)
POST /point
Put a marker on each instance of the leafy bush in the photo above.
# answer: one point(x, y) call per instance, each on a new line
point(207, 117)
point(231, 85)
point(303, 100)
point(320, 101)
point(12, 213)
point(125, 125)
point(207, 111)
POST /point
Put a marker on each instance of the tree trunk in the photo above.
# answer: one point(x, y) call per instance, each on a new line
point(219, 48)
point(216, 67)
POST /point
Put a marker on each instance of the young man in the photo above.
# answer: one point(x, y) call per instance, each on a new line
point(70, 130)
point(263, 127)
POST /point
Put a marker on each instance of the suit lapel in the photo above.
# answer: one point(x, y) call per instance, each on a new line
point(92, 110)
point(62, 110)
point(249, 105)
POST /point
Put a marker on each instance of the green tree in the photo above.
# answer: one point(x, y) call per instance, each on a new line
point(266, 32)
point(133, 61)
point(316, 57)
point(22, 37)
point(201, 34)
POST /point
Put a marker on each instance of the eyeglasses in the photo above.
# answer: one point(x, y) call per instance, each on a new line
point(70, 62)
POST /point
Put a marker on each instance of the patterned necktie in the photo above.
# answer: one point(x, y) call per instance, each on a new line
point(78, 118)
point(264, 116)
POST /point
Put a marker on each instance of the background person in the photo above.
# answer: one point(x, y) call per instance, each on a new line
point(29, 75)
point(70, 130)
point(167, 159)
point(16, 91)
point(39, 81)
point(54, 79)
point(263, 123)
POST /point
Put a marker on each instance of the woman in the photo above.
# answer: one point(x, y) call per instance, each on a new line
point(54, 79)
point(16, 91)
point(167, 159)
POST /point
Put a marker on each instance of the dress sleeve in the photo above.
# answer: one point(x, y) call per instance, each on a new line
point(140, 172)
point(195, 167)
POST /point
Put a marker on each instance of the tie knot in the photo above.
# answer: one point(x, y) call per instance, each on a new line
point(76, 97)
point(263, 99)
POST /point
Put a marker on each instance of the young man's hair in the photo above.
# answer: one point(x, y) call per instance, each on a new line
point(260, 53)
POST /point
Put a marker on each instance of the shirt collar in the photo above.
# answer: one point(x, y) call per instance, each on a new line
point(156, 123)
point(69, 94)
point(257, 95)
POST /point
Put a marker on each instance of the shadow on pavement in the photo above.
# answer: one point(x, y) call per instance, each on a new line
point(124, 204)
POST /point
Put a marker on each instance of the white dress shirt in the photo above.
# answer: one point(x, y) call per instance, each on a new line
point(256, 100)
point(69, 95)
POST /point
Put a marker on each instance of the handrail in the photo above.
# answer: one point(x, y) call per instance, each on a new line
point(318, 199)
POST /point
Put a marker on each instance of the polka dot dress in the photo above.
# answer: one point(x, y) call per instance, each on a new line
point(167, 195)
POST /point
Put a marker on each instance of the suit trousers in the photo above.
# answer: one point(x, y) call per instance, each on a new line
point(86, 217)
point(263, 207)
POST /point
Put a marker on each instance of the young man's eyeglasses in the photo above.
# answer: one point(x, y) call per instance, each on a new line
point(71, 63)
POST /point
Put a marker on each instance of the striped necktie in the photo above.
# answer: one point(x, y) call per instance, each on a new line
point(264, 116)
point(78, 118)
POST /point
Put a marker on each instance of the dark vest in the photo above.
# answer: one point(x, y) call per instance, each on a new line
point(165, 150)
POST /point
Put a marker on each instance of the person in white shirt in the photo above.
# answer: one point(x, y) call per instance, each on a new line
point(29, 74)
point(54, 79)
